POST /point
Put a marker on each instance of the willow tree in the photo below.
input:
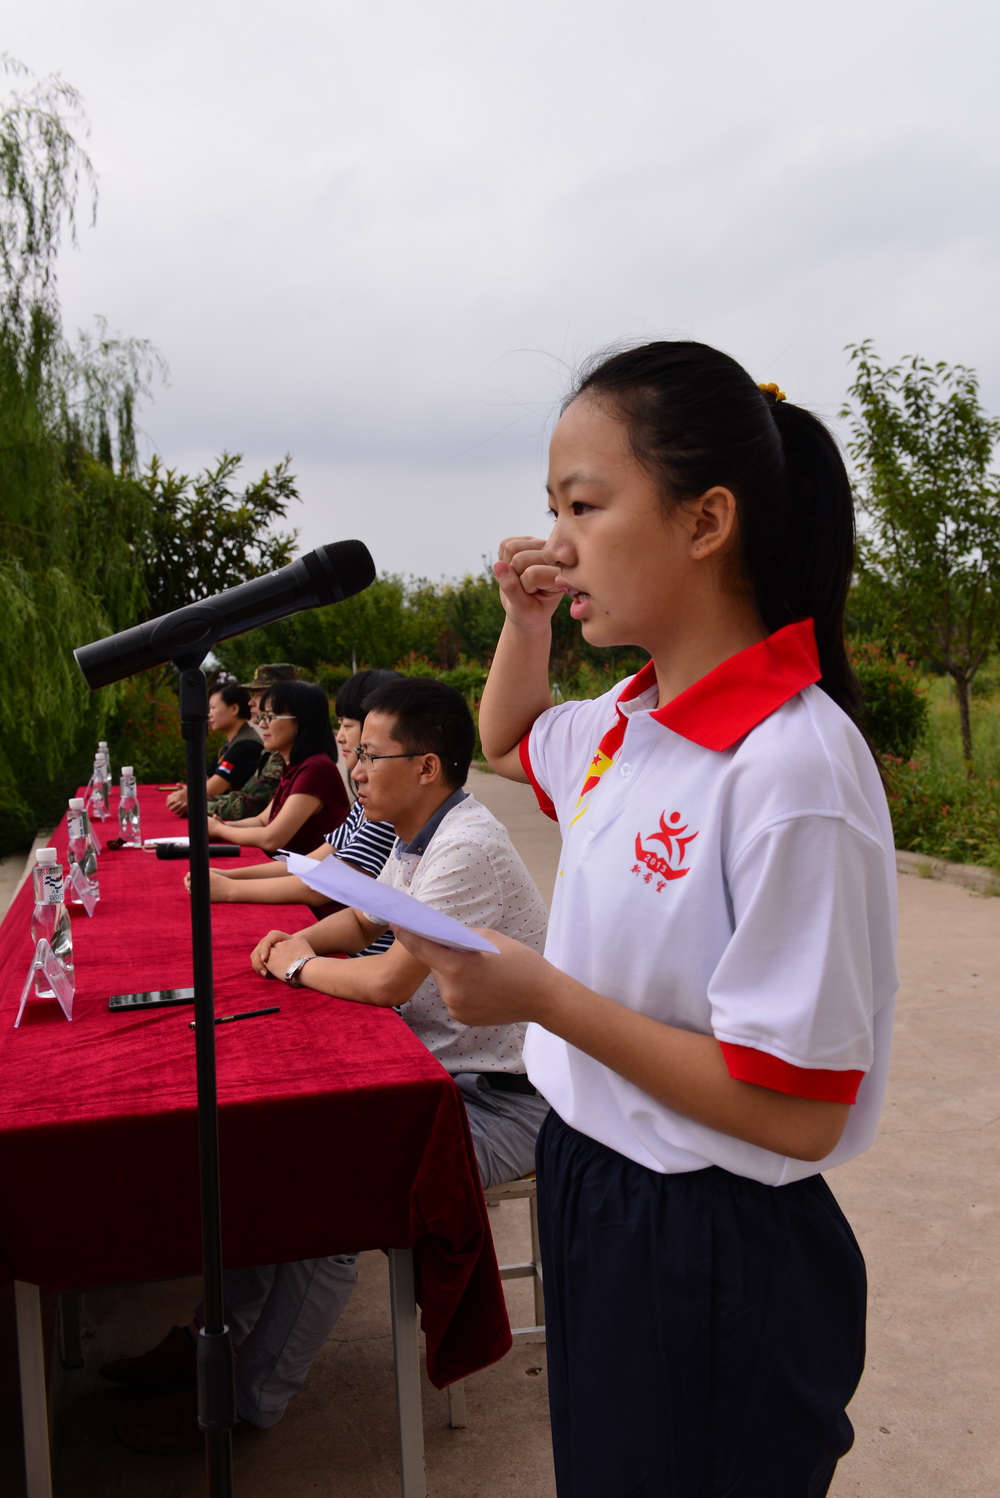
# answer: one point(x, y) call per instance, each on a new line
point(929, 550)
point(90, 543)
point(69, 522)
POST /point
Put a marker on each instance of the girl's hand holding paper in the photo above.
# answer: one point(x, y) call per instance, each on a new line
point(397, 909)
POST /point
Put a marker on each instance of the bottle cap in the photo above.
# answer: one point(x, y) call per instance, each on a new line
point(76, 803)
point(102, 743)
point(47, 855)
point(126, 769)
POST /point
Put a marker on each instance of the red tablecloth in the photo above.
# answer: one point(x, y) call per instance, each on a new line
point(338, 1129)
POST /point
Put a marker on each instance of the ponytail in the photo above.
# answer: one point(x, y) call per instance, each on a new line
point(696, 419)
point(812, 572)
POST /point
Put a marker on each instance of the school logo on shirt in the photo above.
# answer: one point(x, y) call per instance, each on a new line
point(674, 839)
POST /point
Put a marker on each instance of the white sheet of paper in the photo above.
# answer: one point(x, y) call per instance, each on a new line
point(340, 882)
point(159, 842)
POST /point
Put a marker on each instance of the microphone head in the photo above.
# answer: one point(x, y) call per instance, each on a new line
point(340, 570)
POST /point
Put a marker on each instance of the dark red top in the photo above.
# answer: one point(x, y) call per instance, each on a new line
point(315, 776)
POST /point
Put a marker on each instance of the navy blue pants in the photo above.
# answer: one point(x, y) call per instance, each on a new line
point(704, 1332)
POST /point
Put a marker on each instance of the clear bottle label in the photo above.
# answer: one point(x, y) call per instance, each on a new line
point(49, 886)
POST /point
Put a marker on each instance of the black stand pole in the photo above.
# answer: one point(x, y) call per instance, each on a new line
point(216, 1383)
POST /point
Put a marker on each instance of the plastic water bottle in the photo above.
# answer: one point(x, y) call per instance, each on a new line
point(81, 849)
point(105, 776)
point(102, 748)
point(50, 918)
point(97, 797)
point(128, 810)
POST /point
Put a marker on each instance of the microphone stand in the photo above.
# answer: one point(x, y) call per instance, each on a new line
point(216, 1377)
point(185, 636)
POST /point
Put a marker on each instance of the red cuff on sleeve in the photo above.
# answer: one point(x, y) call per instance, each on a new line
point(544, 803)
point(748, 1065)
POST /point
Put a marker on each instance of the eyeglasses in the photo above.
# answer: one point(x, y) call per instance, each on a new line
point(364, 758)
point(263, 719)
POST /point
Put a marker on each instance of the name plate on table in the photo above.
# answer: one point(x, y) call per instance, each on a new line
point(84, 889)
point(336, 879)
point(63, 988)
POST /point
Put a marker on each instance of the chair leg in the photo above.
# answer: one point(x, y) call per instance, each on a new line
point(536, 1254)
point(456, 1405)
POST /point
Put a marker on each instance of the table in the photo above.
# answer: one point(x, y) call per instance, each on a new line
point(338, 1131)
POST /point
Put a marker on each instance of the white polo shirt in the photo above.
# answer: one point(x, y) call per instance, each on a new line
point(728, 868)
point(464, 863)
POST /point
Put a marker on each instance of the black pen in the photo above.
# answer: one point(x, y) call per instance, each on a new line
point(227, 1019)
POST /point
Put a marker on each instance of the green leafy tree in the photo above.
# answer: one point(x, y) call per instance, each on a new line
point(448, 629)
point(207, 534)
point(88, 544)
point(929, 551)
point(68, 547)
point(374, 628)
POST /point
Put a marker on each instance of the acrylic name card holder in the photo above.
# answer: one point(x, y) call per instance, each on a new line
point(84, 889)
point(46, 967)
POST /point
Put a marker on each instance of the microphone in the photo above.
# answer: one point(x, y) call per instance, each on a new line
point(327, 575)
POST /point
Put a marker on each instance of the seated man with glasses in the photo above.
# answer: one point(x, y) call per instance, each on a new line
point(451, 852)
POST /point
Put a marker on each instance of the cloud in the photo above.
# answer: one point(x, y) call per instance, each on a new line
point(381, 237)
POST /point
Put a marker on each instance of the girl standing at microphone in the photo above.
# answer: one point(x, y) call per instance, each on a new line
point(712, 1015)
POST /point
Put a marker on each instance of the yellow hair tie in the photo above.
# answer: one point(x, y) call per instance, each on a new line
point(772, 389)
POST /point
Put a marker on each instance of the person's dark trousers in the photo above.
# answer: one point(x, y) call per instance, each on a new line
point(704, 1332)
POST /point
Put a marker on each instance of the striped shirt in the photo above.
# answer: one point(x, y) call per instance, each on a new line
point(366, 845)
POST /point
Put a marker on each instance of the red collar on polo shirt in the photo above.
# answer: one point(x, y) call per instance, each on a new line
point(741, 692)
point(717, 710)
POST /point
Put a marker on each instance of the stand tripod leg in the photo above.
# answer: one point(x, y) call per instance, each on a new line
point(216, 1385)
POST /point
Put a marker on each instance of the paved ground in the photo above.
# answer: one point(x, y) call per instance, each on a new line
point(923, 1202)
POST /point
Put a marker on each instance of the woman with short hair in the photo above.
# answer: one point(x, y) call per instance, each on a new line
point(310, 799)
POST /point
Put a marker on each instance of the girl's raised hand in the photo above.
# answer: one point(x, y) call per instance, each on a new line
point(527, 573)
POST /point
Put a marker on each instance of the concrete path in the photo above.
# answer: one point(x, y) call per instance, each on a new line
point(923, 1202)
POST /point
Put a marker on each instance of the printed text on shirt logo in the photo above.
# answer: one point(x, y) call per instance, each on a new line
point(669, 864)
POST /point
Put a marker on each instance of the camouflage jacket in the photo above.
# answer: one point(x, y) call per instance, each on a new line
point(254, 795)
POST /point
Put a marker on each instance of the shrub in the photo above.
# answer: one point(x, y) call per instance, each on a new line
point(937, 810)
point(417, 665)
point(984, 684)
point(467, 677)
point(895, 705)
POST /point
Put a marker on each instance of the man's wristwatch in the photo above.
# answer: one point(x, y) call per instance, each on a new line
point(293, 976)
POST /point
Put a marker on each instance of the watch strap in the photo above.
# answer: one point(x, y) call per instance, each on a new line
point(293, 976)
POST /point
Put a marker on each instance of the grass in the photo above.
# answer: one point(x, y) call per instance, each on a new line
point(937, 808)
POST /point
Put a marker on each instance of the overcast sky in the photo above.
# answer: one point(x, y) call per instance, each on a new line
point(380, 236)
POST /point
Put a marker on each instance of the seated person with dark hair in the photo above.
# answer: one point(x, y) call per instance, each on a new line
point(362, 843)
point(228, 713)
point(310, 799)
point(255, 793)
point(452, 853)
